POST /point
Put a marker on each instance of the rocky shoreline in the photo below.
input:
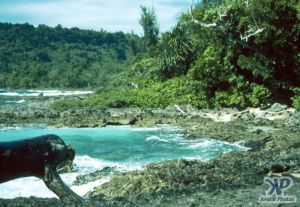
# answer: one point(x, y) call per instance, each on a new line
point(232, 179)
point(38, 110)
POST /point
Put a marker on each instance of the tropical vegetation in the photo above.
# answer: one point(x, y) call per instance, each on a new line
point(45, 57)
point(221, 53)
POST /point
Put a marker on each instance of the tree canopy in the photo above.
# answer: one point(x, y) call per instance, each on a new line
point(235, 53)
point(150, 25)
point(229, 53)
point(242, 52)
point(45, 57)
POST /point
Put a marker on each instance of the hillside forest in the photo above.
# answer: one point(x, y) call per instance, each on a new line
point(221, 53)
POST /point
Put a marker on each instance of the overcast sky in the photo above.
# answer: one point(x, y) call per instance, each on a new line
point(113, 15)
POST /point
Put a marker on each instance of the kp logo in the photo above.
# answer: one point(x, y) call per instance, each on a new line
point(277, 188)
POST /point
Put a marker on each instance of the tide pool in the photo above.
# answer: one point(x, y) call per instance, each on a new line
point(126, 148)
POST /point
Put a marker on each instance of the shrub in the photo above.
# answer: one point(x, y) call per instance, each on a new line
point(260, 95)
point(66, 104)
point(296, 98)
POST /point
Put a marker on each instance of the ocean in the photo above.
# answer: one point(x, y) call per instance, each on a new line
point(123, 147)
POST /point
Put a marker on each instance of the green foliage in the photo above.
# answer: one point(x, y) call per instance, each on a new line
point(296, 98)
point(182, 91)
point(67, 104)
point(150, 26)
point(258, 65)
point(176, 51)
point(147, 67)
point(243, 96)
point(248, 58)
point(208, 66)
point(104, 98)
point(229, 98)
point(47, 57)
point(210, 3)
point(151, 94)
point(236, 53)
point(259, 95)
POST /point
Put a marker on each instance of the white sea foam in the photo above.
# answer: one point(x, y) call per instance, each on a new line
point(25, 126)
point(32, 186)
point(238, 145)
point(158, 127)
point(46, 93)
point(25, 187)
point(60, 93)
point(9, 94)
point(138, 129)
point(20, 101)
point(156, 138)
point(5, 128)
point(86, 164)
point(200, 144)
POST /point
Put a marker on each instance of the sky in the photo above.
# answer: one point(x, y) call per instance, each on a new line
point(110, 15)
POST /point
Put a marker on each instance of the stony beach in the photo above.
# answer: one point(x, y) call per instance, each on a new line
point(233, 179)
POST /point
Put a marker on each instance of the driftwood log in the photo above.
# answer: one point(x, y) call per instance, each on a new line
point(40, 157)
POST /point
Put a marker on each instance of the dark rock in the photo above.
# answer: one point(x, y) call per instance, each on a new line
point(256, 144)
point(277, 168)
point(30, 202)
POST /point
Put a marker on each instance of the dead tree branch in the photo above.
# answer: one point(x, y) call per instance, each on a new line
point(198, 22)
point(251, 32)
point(179, 109)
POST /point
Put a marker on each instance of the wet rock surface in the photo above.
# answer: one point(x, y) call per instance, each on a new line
point(232, 179)
point(97, 175)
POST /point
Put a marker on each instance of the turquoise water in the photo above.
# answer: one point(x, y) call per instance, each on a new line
point(125, 148)
point(129, 145)
point(20, 102)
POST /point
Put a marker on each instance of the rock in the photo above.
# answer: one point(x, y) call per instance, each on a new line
point(190, 109)
point(256, 144)
point(232, 179)
point(276, 107)
point(97, 175)
point(32, 202)
point(294, 119)
point(257, 131)
point(277, 168)
point(265, 107)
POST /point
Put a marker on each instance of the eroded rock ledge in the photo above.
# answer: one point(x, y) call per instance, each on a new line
point(233, 179)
